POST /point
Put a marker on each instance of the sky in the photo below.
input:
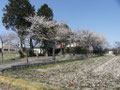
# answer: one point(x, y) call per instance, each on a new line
point(101, 16)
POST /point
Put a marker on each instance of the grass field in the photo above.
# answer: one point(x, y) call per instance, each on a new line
point(9, 56)
point(7, 83)
point(98, 73)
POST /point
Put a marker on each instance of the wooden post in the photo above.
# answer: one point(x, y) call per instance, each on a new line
point(27, 56)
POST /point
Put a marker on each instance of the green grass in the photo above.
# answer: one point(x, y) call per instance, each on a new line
point(9, 56)
point(47, 66)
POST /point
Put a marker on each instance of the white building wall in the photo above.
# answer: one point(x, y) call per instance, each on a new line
point(38, 51)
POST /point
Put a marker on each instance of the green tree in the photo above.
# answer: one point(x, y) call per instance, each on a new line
point(46, 12)
point(14, 17)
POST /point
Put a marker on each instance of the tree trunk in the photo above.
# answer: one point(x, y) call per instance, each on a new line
point(21, 51)
point(2, 52)
point(54, 53)
point(2, 48)
point(31, 48)
point(61, 51)
point(64, 48)
point(70, 48)
point(21, 43)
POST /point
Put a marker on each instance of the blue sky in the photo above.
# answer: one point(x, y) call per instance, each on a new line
point(101, 16)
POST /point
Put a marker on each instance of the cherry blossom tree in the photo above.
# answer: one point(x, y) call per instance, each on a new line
point(82, 41)
point(98, 42)
point(86, 39)
point(43, 30)
point(63, 35)
point(117, 47)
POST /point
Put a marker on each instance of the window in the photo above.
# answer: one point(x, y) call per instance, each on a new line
point(12, 49)
point(5, 49)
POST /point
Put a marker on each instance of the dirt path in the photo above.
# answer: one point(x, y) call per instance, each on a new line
point(32, 60)
point(23, 61)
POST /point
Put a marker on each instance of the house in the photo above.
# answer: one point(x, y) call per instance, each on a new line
point(38, 50)
point(72, 45)
point(110, 53)
point(9, 49)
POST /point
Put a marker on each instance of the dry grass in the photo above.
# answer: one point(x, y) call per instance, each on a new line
point(20, 84)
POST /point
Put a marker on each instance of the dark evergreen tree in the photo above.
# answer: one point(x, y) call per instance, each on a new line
point(14, 16)
point(46, 12)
